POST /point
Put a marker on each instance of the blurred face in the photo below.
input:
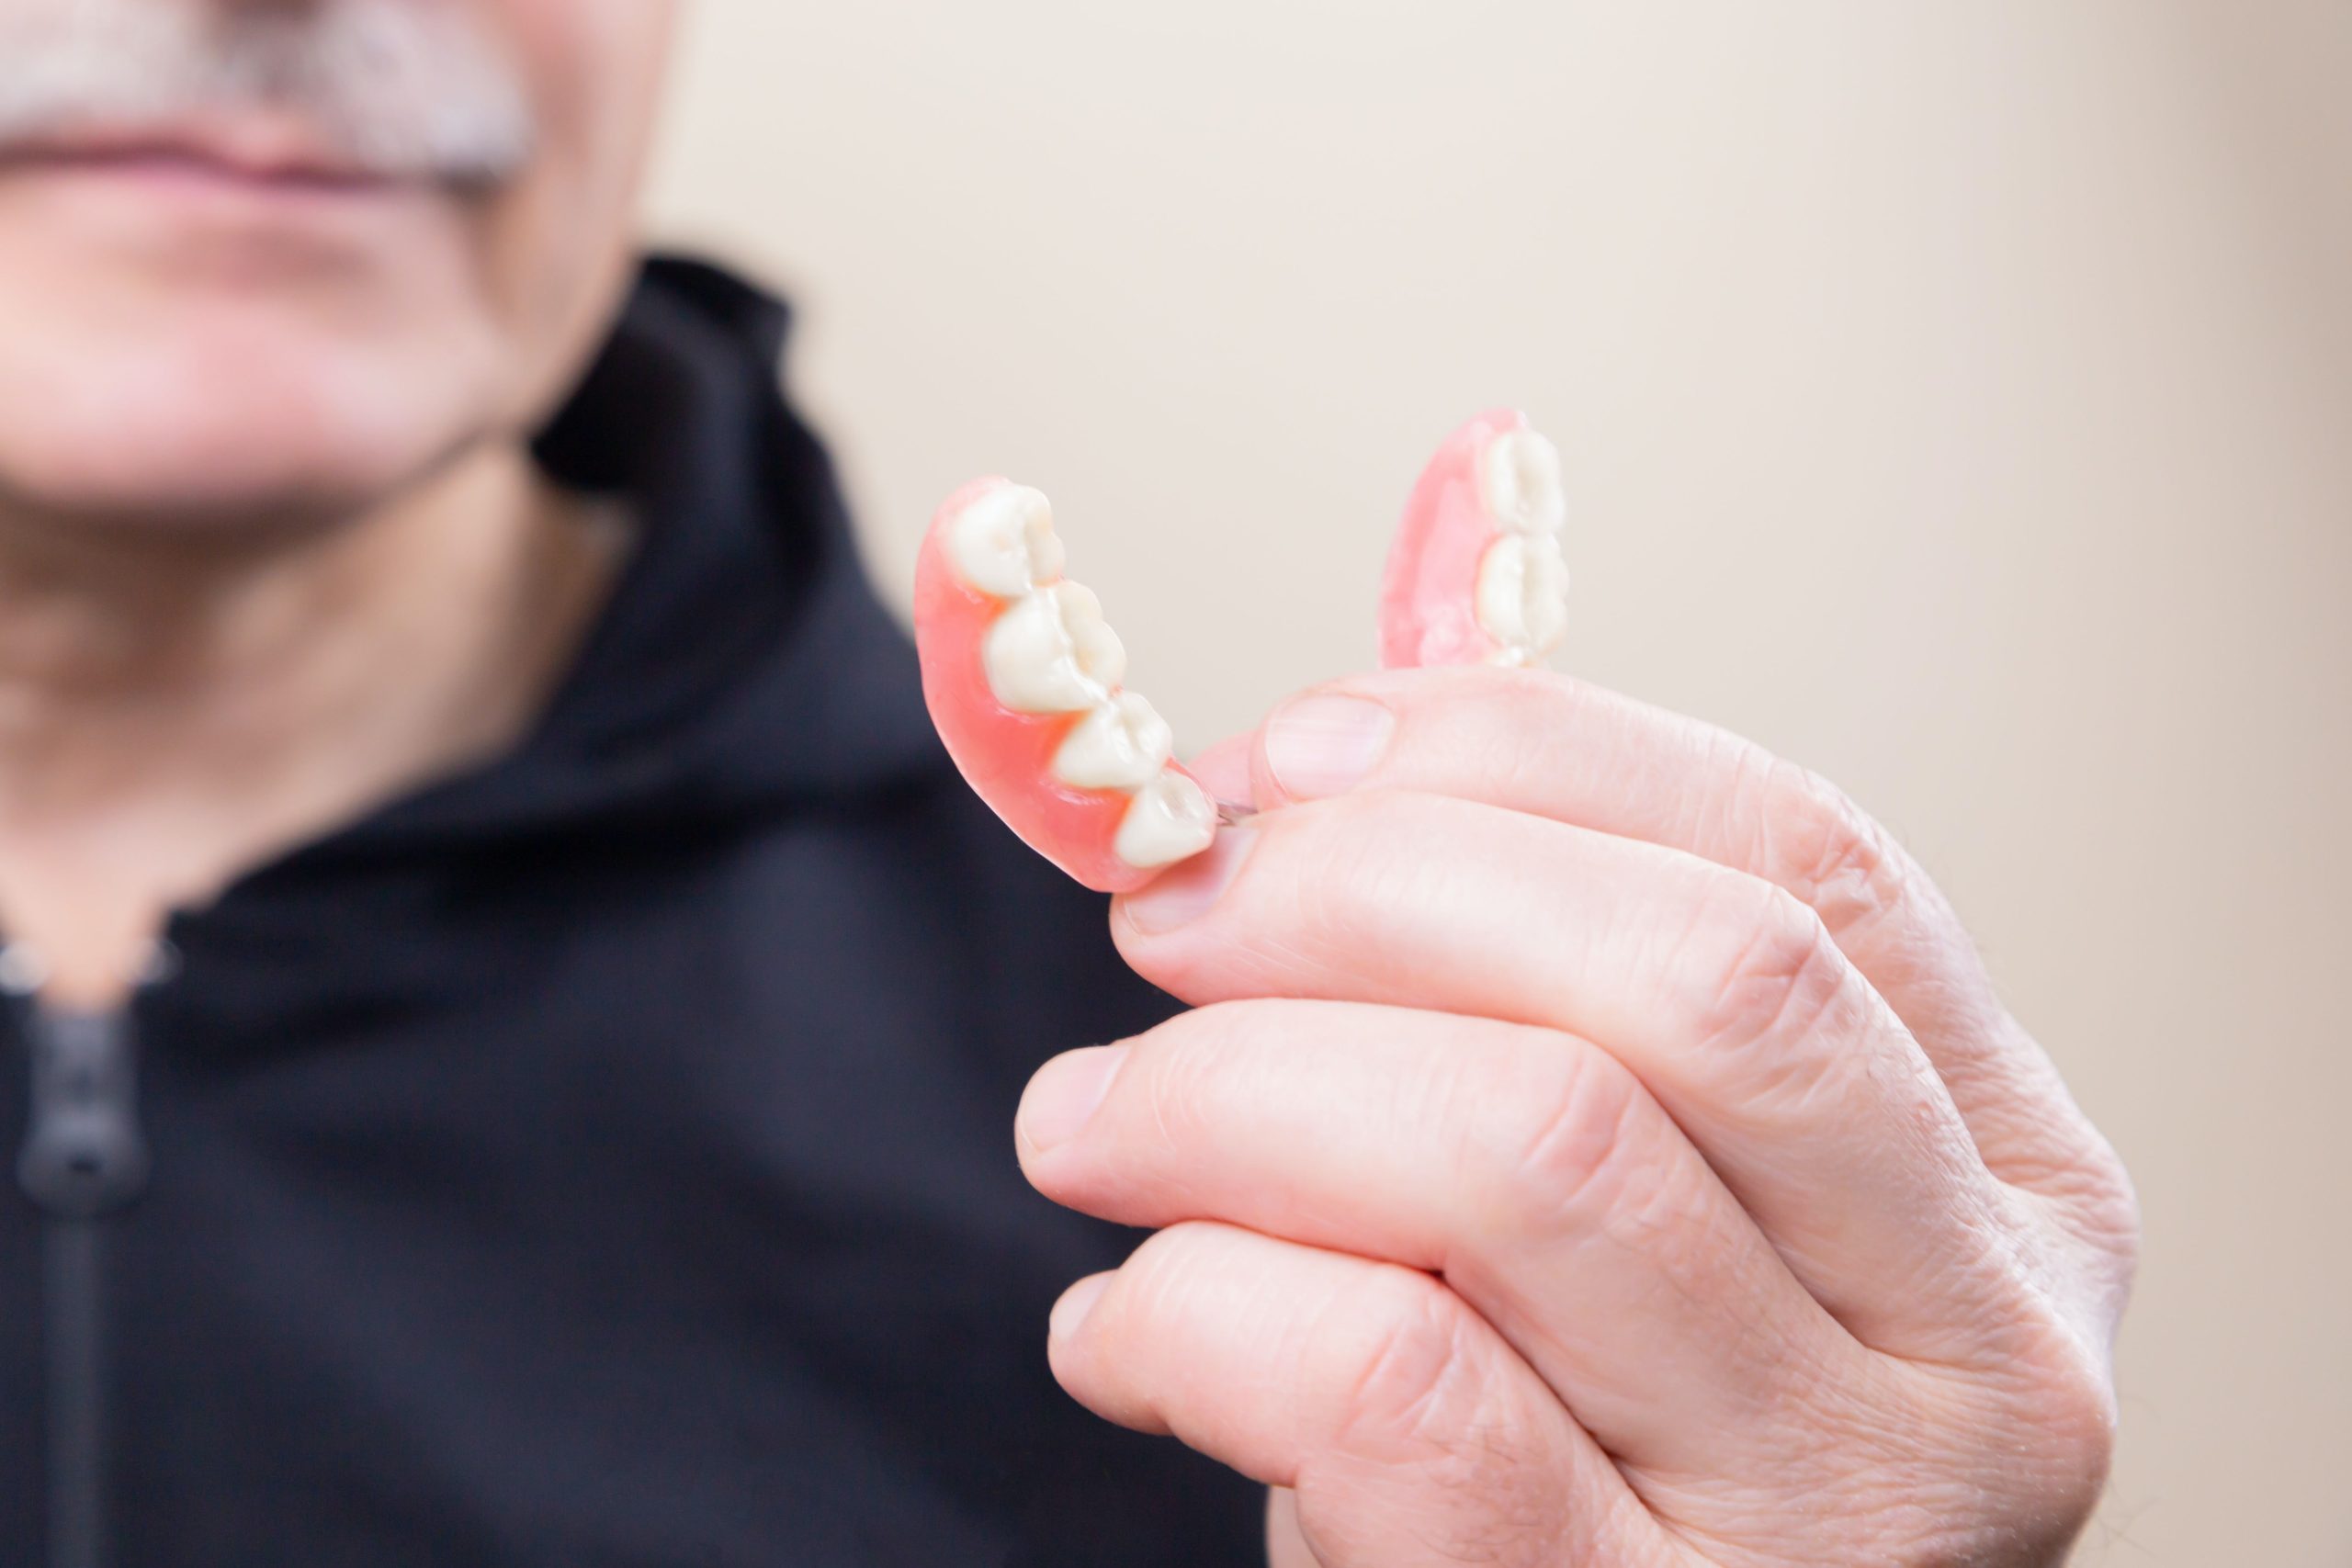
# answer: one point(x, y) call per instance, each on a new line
point(271, 260)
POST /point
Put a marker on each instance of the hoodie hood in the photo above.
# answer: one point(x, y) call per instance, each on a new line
point(742, 674)
point(743, 663)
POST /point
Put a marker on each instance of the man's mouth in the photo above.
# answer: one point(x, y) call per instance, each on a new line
point(258, 158)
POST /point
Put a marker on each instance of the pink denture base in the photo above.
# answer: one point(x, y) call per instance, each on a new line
point(1006, 757)
point(1428, 595)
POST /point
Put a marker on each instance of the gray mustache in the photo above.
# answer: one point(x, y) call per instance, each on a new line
point(399, 88)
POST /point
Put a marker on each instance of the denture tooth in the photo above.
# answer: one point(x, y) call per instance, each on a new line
point(1520, 477)
point(1102, 657)
point(1522, 600)
point(1121, 745)
point(1004, 543)
point(1170, 818)
point(1051, 652)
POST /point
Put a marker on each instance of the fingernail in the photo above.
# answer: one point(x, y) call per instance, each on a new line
point(1323, 745)
point(1075, 1303)
point(1185, 894)
point(1064, 1094)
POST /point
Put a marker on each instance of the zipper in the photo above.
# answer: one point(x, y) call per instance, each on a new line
point(82, 1162)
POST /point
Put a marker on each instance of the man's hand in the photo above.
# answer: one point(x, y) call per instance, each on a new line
point(1596, 1143)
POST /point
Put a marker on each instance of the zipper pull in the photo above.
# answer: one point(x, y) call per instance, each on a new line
point(84, 1154)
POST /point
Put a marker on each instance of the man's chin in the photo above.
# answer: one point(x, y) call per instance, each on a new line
point(212, 476)
point(207, 510)
point(148, 443)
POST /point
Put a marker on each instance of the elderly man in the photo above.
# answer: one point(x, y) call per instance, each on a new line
point(519, 1024)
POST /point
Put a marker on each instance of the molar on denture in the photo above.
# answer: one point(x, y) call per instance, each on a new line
point(1051, 651)
point(1519, 480)
point(1521, 599)
point(1475, 574)
point(1523, 596)
point(1170, 819)
point(1122, 744)
point(1004, 543)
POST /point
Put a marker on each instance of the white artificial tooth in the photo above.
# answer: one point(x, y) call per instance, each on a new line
point(1004, 543)
point(1522, 478)
point(1120, 745)
point(1170, 818)
point(1522, 600)
point(1101, 655)
point(1051, 652)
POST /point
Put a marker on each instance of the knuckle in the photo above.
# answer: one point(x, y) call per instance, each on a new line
point(2062, 1406)
point(2079, 1195)
point(1814, 840)
point(2097, 1207)
point(2112, 1221)
point(2110, 1200)
point(2034, 1419)
point(1962, 1467)
point(1570, 1143)
point(1408, 1379)
point(1426, 1397)
point(1759, 967)
point(2082, 1418)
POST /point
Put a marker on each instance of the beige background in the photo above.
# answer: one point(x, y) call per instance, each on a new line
point(1956, 397)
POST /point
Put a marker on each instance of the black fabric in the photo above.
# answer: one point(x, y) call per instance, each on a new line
point(604, 1158)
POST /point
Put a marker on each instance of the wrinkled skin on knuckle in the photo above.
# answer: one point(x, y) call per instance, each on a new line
point(2080, 1423)
point(2047, 1306)
point(2042, 1449)
point(2052, 1398)
point(2041, 1143)
point(1424, 1423)
point(2020, 1480)
point(2107, 1218)
point(1928, 1465)
point(1909, 1470)
point(1402, 1350)
point(2093, 1201)
point(1586, 1166)
point(2073, 1431)
point(1755, 971)
point(1550, 1157)
point(1412, 1372)
point(1823, 848)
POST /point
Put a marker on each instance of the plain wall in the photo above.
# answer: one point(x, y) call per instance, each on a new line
point(1955, 396)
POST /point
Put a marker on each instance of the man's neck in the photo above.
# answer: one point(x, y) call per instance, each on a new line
point(177, 709)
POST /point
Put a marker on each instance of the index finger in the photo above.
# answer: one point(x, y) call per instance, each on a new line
point(1539, 743)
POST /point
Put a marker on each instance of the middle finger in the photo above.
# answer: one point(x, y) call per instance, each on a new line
point(1724, 995)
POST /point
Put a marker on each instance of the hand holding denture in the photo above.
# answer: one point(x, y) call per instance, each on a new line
point(1595, 1141)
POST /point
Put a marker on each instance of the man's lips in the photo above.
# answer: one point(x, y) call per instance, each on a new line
point(262, 160)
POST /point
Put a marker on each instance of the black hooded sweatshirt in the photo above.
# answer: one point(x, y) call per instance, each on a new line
point(603, 1156)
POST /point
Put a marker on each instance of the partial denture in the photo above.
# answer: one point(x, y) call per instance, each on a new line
point(1475, 575)
point(1022, 675)
point(1023, 678)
